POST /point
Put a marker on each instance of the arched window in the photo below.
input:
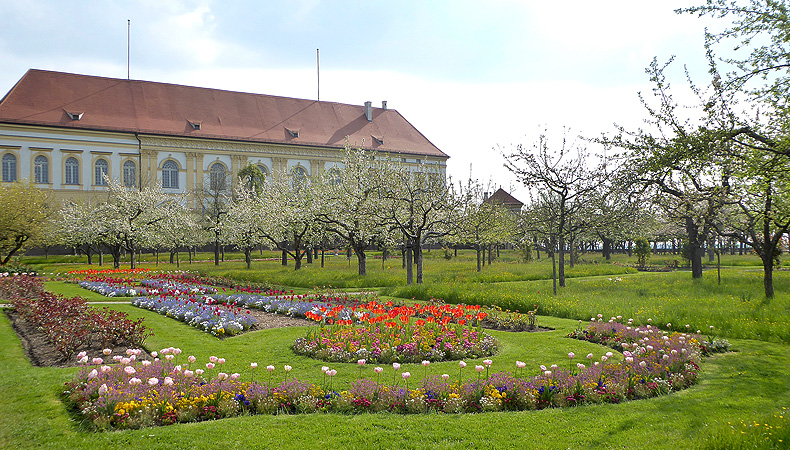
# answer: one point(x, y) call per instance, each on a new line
point(170, 175)
point(72, 171)
point(217, 177)
point(333, 176)
point(299, 178)
point(101, 167)
point(129, 174)
point(41, 169)
point(9, 167)
point(265, 171)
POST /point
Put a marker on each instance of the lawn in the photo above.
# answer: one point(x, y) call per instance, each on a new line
point(749, 384)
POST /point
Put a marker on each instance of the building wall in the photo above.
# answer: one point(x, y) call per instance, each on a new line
point(194, 158)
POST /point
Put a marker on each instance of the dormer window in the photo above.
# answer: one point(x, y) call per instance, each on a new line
point(195, 124)
point(75, 115)
point(293, 133)
point(378, 140)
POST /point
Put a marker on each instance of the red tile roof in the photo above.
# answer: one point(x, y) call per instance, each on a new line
point(110, 104)
point(502, 197)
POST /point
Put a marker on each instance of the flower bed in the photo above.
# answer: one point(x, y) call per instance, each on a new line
point(136, 394)
point(113, 287)
point(395, 343)
point(219, 321)
point(69, 322)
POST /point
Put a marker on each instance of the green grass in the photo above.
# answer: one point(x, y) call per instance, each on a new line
point(747, 385)
point(737, 308)
point(31, 415)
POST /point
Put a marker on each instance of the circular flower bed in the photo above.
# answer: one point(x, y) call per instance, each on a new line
point(392, 343)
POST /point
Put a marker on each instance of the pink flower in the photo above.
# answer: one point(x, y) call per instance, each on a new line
point(629, 360)
point(547, 373)
point(542, 367)
point(571, 355)
point(361, 362)
point(222, 376)
point(102, 389)
point(107, 351)
point(589, 356)
point(83, 360)
point(129, 351)
point(395, 366)
point(199, 372)
point(125, 361)
point(221, 360)
point(189, 374)
point(80, 355)
point(270, 368)
point(176, 351)
point(287, 368)
point(170, 357)
point(324, 369)
point(168, 381)
point(145, 363)
point(642, 364)
point(191, 359)
point(462, 364)
point(209, 366)
point(480, 368)
point(153, 381)
point(405, 375)
point(580, 366)
point(97, 361)
point(331, 372)
point(129, 370)
point(93, 374)
point(135, 381)
point(520, 364)
point(254, 365)
point(154, 354)
point(117, 358)
point(378, 370)
point(105, 369)
point(425, 363)
point(445, 377)
point(669, 325)
point(213, 359)
point(235, 376)
point(487, 362)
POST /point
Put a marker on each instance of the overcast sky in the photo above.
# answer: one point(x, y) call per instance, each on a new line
point(474, 77)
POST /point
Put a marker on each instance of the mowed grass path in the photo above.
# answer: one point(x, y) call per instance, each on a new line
point(744, 385)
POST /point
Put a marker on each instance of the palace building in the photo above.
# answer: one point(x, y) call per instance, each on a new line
point(64, 132)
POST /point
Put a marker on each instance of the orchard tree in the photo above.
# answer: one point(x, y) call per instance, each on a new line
point(130, 218)
point(482, 223)
point(420, 205)
point(287, 211)
point(566, 175)
point(23, 218)
point(243, 224)
point(76, 227)
point(349, 200)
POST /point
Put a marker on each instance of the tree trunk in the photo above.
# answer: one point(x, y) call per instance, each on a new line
point(285, 257)
point(695, 248)
point(361, 262)
point(478, 258)
point(101, 257)
point(89, 252)
point(309, 256)
point(248, 256)
point(607, 249)
point(134, 259)
point(322, 257)
point(768, 274)
point(418, 259)
point(490, 256)
point(554, 272)
point(561, 263)
point(408, 258)
point(172, 255)
point(216, 252)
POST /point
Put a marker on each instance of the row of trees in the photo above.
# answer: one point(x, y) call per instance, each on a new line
point(368, 201)
point(718, 168)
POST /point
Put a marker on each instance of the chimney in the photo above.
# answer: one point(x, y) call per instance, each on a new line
point(384, 105)
point(369, 111)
